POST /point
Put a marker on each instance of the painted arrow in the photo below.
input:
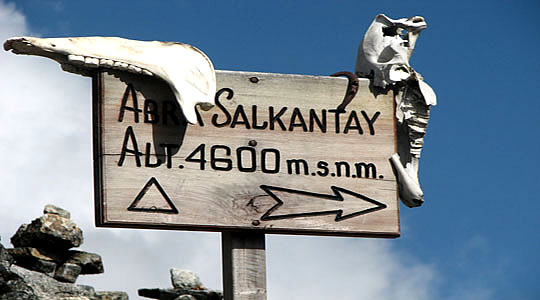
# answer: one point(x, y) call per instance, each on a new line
point(343, 203)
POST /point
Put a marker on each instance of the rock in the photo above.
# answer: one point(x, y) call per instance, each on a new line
point(41, 266)
point(49, 231)
point(67, 273)
point(162, 294)
point(90, 263)
point(105, 295)
point(187, 286)
point(43, 287)
point(185, 297)
point(5, 274)
point(26, 253)
point(33, 259)
point(18, 296)
point(185, 279)
point(55, 210)
point(172, 294)
point(5, 258)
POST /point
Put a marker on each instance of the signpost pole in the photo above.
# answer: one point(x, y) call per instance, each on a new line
point(244, 265)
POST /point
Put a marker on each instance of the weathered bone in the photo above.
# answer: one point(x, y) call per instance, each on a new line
point(384, 55)
point(187, 70)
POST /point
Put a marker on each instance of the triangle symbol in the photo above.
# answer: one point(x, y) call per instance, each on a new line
point(151, 205)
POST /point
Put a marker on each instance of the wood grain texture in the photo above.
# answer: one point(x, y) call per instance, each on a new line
point(244, 265)
point(216, 199)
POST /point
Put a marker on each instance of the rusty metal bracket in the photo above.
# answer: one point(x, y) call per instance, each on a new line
point(352, 89)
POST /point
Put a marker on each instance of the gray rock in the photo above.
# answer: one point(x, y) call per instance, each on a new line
point(55, 210)
point(172, 294)
point(49, 231)
point(18, 296)
point(42, 266)
point(90, 263)
point(185, 297)
point(32, 258)
point(106, 295)
point(185, 279)
point(5, 258)
point(67, 273)
point(5, 274)
point(44, 287)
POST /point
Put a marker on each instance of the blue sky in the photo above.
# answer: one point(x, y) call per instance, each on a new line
point(477, 235)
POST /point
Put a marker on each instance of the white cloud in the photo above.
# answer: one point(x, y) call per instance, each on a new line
point(46, 157)
point(341, 268)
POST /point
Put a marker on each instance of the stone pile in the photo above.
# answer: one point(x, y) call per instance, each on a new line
point(44, 246)
point(42, 265)
point(186, 286)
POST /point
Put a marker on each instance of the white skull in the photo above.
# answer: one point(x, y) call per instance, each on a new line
point(386, 48)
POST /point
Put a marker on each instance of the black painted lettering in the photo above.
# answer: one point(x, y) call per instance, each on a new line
point(321, 122)
point(298, 165)
point(199, 118)
point(353, 117)
point(214, 160)
point(227, 114)
point(240, 114)
point(297, 114)
point(371, 121)
point(169, 151)
point(339, 165)
point(276, 118)
point(240, 159)
point(170, 111)
point(201, 160)
point(130, 90)
point(147, 155)
point(151, 111)
point(323, 168)
point(336, 116)
point(264, 161)
point(363, 170)
point(130, 136)
point(254, 119)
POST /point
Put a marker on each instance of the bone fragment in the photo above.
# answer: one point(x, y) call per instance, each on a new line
point(76, 59)
point(91, 62)
point(134, 69)
point(187, 70)
point(120, 65)
point(106, 63)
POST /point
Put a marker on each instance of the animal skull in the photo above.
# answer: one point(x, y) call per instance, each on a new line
point(187, 70)
point(385, 51)
point(383, 56)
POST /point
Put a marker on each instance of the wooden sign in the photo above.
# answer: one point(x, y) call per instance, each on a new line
point(273, 155)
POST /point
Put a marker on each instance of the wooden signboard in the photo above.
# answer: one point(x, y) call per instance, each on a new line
point(273, 155)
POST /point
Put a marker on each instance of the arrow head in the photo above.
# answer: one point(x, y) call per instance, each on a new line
point(351, 206)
